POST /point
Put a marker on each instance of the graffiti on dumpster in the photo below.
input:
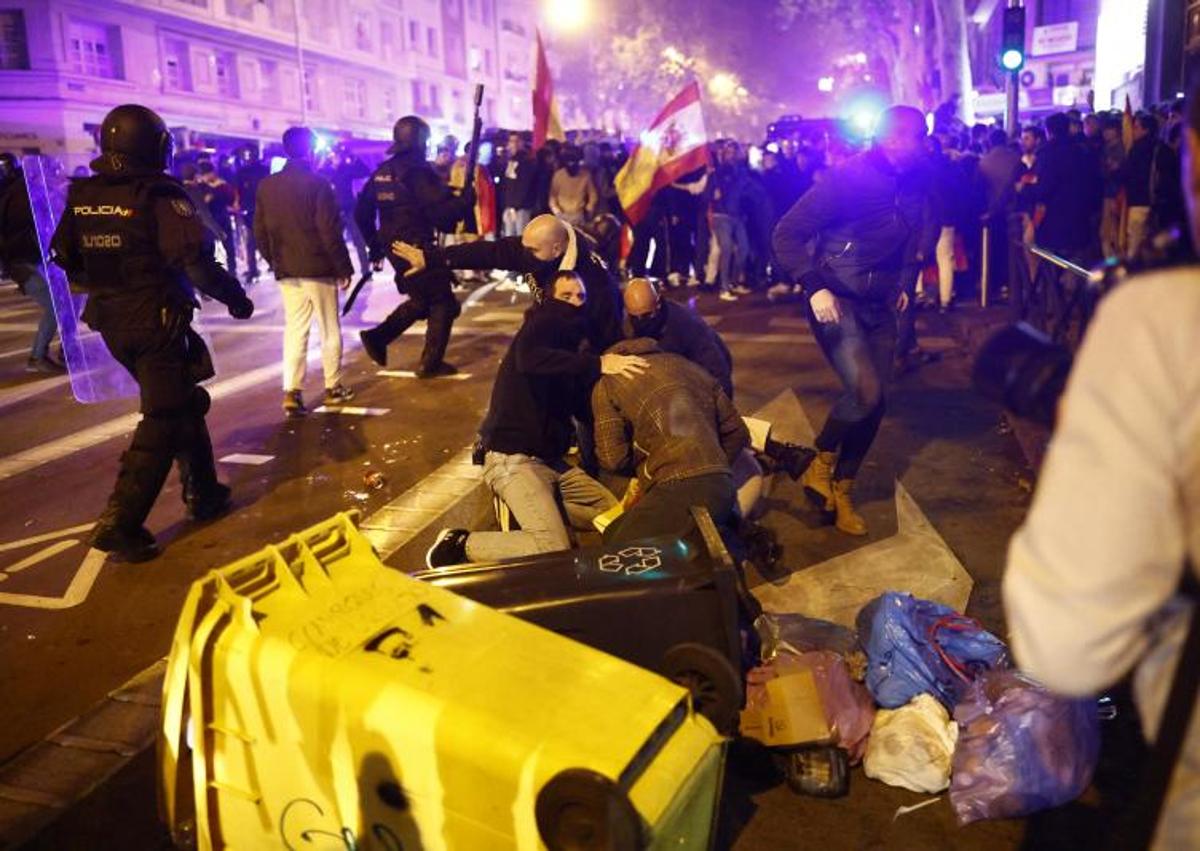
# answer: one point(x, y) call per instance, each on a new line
point(300, 811)
point(632, 561)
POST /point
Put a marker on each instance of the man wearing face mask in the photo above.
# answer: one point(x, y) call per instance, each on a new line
point(871, 224)
point(543, 382)
point(546, 247)
point(573, 195)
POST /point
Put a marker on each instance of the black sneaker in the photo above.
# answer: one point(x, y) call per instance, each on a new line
point(132, 546)
point(211, 505)
point(450, 547)
point(440, 371)
point(374, 350)
point(45, 366)
point(293, 404)
point(339, 394)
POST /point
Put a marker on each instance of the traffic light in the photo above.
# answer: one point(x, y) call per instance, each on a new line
point(1012, 47)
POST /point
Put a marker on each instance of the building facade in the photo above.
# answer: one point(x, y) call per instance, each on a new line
point(233, 70)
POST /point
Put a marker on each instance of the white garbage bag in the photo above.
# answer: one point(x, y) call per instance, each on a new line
point(913, 746)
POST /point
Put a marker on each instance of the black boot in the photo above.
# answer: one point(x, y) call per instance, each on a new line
point(205, 497)
point(120, 529)
point(437, 337)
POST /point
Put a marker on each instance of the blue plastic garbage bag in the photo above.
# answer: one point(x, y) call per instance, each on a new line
point(1020, 748)
point(917, 646)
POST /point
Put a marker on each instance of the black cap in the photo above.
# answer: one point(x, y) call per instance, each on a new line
point(137, 134)
point(409, 134)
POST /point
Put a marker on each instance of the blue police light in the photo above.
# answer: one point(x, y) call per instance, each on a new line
point(1012, 59)
point(322, 143)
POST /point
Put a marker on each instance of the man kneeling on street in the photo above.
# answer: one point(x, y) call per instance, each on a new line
point(542, 383)
point(682, 432)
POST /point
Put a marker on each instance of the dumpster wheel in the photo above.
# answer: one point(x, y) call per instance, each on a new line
point(582, 810)
point(713, 681)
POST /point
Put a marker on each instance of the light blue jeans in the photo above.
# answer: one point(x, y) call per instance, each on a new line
point(38, 290)
point(532, 490)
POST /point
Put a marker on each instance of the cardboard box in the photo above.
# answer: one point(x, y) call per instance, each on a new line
point(791, 715)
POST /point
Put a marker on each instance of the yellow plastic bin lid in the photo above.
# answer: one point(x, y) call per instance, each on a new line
point(312, 688)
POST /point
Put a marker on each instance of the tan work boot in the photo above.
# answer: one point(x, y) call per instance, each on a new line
point(817, 479)
point(848, 518)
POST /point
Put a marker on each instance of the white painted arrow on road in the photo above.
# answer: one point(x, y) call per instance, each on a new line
point(81, 583)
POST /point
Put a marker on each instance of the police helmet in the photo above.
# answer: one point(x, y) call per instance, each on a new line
point(410, 134)
point(137, 134)
point(8, 166)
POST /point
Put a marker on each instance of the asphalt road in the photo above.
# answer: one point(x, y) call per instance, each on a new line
point(58, 459)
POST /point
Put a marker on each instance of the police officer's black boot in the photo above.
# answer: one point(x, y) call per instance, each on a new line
point(437, 338)
point(205, 497)
point(119, 529)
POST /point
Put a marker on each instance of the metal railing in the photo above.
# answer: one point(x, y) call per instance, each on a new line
point(1056, 295)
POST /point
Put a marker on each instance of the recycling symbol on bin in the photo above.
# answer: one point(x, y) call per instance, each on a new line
point(632, 561)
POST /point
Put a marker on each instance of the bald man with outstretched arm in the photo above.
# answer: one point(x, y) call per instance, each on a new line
point(546, 247)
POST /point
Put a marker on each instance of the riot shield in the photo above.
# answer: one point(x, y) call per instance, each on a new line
point(95, 374)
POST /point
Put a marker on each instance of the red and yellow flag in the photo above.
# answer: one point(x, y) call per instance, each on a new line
point(546, 121)
point(675, 144)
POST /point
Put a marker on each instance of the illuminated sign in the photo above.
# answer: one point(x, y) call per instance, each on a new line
point(1120, 48)
point(1055, 38)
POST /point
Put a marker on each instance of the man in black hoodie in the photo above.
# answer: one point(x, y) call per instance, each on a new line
point(543, 382)
point(132, 239)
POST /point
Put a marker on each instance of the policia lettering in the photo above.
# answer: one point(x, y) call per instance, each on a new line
point(130, 239)
point(406, 200)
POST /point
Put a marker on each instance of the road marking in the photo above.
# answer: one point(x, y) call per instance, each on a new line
point(21, 392)
point(352, 410)
point(39, 556)
point(45, 536)
point(408, 373)
point(770, 339)
point(246, 458)
point(18, 326)
point(12, 353)
point(77, 591)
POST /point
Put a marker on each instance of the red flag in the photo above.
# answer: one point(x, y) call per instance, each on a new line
point(675, 144)
point(546, 122)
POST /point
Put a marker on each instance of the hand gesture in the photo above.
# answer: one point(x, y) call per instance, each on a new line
point(414, 256)
point(626, 366)
point(825, 307)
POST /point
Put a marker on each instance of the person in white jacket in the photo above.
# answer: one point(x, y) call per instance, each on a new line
point(1090, 588)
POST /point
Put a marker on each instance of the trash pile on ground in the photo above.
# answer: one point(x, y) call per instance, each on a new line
point(926, 699)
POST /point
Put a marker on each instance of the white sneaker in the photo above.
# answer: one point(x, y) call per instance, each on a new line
point(674, 280)
point(779, 291)
point(693, 281)
point(726, 295)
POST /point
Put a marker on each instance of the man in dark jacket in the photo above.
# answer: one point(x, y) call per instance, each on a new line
point(299, 231)
point(518, 187)
point(872, 225)
point(546, 247)
point(1068, 194)
point(1151, 180)
point(250, 173)
point(676, 427)
point(411, 204)
point(345, 169)
point(677, 330)
point(21, 260)
point(542, 383)
point(220, 198)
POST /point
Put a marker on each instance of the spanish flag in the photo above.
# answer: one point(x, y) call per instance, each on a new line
point(546, 121)
point(675, 144)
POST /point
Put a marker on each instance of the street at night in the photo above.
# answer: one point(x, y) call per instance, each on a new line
point(599, 425)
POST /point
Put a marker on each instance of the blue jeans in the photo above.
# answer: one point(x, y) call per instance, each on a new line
point(860, 347)
point(36, 288)
point(532, 490)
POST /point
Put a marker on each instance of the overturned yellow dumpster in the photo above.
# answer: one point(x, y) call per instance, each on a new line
point(317, 699)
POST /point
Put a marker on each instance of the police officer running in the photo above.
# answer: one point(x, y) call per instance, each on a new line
point(131, 238)
point(410, 201)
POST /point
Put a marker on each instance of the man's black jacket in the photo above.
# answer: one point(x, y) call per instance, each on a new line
point(604, 306)
point(680, 331)
point(867, 225)
point(543, 381)
point(18, 241)
point(1071, 188)
point(298, 225)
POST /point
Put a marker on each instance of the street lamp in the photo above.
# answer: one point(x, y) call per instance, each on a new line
point(567, 16)
point(722, 85)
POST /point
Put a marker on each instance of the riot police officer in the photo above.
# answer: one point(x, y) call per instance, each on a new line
point(410, 202)
point(131, 238)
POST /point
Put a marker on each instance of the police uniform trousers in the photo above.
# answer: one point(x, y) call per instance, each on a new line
point(431, 298)
point(167, 358)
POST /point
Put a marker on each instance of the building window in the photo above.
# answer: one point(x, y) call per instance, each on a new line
point(94, 49)
point(14, 50)
point(435, 100)
point(456, 99)
point(417, 104)
point(475, 59)
point(268, 81)
point(389, 101)
point(362, 31)
point(489, 110)
point(356, 98)
point(225, 67)
point(414, 35)
point(309, 84)
point(487, 62)
point(485, 12)
point(177, 65)
point(387, 39)
point(431, 41)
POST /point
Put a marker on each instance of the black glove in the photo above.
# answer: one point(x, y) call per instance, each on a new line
point(243, 309)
